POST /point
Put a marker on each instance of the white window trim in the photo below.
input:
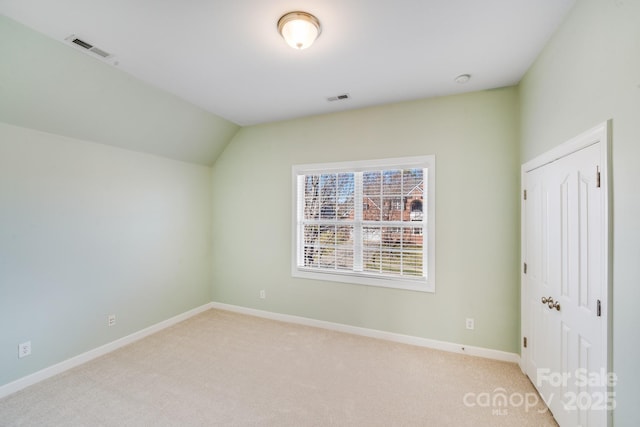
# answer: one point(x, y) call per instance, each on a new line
point(423, 284)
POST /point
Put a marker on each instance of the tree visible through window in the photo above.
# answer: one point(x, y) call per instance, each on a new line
point(365, 220)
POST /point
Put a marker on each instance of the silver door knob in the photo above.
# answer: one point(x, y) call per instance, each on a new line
point(555, 305)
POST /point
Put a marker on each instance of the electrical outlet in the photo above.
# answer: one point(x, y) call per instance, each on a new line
point(24, 349)
point(111, 320)
point(471, 324)
point(263, 294)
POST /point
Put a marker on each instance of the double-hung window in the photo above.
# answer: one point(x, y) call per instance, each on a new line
point(366, 222)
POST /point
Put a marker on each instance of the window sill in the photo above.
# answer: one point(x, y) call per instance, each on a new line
point(419, 284)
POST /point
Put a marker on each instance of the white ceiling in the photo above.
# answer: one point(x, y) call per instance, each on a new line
point(227, 57)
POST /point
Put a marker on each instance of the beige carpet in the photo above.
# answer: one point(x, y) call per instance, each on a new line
point(226, 369)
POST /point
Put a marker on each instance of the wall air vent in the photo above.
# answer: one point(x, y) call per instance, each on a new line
point(339, 97)
point(88, 47)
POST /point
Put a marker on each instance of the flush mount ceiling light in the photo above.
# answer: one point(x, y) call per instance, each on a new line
point(299, 29)
point(463, 78)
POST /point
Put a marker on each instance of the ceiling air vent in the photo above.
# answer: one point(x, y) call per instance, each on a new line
point(339, 97)
point(88, 47)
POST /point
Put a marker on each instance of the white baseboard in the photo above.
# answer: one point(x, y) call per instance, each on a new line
point(58, 368)
point(373, 333)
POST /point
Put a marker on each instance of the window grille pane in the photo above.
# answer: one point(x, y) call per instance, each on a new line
point(391, 261)
point(371, 195)
point(312, 197)
point(412, 262)
point(391, 236)
point(345, 197)
point(371, 260)
point(344, 259)
point(371, 208)
point(326, 240)
point(390, 251)
point(392, 208)
point(372, 183)
point(371, 236)
point(328, 189)
point(413, 182)
point(392, 182)
point(311, 244)
point(371, 242)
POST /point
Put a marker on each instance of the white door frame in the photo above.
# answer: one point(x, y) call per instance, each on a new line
point(599, 134)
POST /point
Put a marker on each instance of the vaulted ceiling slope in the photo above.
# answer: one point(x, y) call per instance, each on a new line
point(226, 58)
point(44, 85)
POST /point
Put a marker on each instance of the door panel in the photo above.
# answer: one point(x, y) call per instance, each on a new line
point(563, 231)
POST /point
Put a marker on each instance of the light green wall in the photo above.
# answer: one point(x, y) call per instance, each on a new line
point(88, 230)
point(474, 139)
point(588, 73)
point(49, 86)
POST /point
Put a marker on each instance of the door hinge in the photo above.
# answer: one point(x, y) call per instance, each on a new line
point(524, 342)
point(599, 309)
point(525, 268)
point(598, 176)
point(525, 194)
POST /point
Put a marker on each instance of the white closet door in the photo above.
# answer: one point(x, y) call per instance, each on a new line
point(565, 286)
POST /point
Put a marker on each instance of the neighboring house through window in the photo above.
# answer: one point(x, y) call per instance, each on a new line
point(364, 222)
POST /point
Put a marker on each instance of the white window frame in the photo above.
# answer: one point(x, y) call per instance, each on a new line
point(425, 283)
